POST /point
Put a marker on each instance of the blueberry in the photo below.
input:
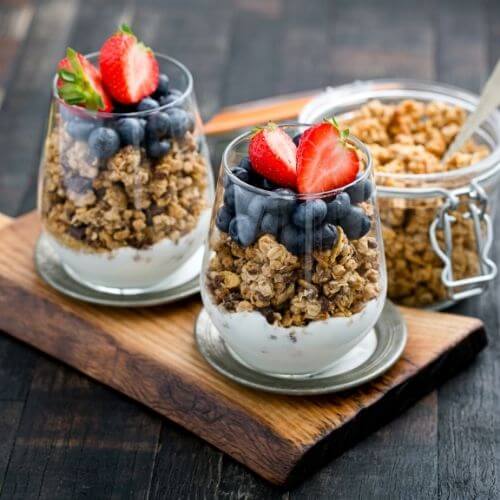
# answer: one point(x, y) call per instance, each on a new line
point(162, 89)
point(104, 142)
point(325, 237)
point(245, 164)
point(157, 149)
point(264, 183)
point(309, 214)
point(355, 224)
point(131, 131)
point(294, 239)
point(223, 218)
point(80, 129)
point(243, 230)
point(281, 201)
point(241, 173)
point(147, 103)
point(360, 191)
point(256, 208)
point(242, 199)
point(338, 208)
point(179, 122)
point(158, 125)
point(229, 196)
point(296, 139)
point(270, 224)
point(173, 97)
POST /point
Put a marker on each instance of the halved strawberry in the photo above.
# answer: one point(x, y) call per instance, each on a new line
point(129, 69)
point(79, 83)
point(272, 154)
point(324, 160)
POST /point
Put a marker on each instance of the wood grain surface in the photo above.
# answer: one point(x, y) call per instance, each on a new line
point(64, 436)
point(149, 354)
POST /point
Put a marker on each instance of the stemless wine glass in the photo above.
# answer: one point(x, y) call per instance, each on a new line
point(291, 281)
point(125, 196)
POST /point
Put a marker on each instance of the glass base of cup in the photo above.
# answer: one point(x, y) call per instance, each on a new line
point(354, 358)
point(188, 271)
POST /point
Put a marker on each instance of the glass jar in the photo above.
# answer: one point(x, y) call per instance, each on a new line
point(125, 197)
point(437, 226)
point(292, 282)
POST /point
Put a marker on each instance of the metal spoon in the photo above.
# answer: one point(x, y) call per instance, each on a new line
point(489, 100)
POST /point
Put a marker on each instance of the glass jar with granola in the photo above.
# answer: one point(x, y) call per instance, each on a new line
point(436, 215)
point(125, 181)
point(294, 275)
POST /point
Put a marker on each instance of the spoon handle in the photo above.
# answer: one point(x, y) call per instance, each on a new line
point(489, 100)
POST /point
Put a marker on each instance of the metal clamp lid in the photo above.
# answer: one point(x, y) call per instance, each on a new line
point(476, 202)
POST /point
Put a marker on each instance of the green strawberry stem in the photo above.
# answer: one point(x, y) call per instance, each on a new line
point(76, 88)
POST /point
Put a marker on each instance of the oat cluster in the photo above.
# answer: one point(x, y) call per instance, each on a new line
point(125, 201)
point(409, 138)
point(290, 290)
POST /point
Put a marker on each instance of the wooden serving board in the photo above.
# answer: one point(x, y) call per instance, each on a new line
point(150, 355)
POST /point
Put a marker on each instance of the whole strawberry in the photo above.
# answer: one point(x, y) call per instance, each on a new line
point(129, 69)
point(79, 83)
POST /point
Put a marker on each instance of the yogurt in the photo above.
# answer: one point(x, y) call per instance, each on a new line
point(295, 350)
point(131, 268)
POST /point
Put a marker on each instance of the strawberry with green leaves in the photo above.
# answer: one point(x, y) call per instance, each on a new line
point(129, 69)
point(79, 83)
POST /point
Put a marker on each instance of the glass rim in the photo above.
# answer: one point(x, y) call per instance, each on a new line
point(301, 196)
point(134, 114)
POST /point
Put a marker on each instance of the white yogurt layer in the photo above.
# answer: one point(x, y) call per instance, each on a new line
point(295, 350)
point(131, 268)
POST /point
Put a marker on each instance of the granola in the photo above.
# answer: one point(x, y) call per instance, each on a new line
point(291, 290)
point(128, 200)
point(409, 138)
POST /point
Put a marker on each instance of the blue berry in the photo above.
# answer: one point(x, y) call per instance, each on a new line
point(80, 129)
point(296, 139)
point(281, 201)
point(325, 237)
point(179, 122)
point(131, 131)
point(104, 142)
point(294, 239)
point(162, 89)
point(309, 214)
point(270, 224)
point(337, 208)
point(242, 199)
point(223, 218)
point(355, 224)
point(173, 97)
point(157, 149)
point(264, 183)
point(245, 164)
point(229, 197)
point(243, 230)
point(158, 125)
point(256, 208)
point(147, 103)
point(360, 191)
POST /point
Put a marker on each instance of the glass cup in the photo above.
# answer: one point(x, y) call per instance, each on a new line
point(124, 196)
point(292, 282)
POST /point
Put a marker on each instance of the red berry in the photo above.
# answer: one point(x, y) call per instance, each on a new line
point(129, 69)
point(324, 160)
point(80, 84)
point(272, 155)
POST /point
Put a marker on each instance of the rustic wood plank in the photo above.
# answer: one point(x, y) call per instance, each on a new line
point(162, 368)
point(10, 416)
point(67, 448)
point(24, 113)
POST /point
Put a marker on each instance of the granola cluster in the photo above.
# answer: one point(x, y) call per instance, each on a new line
point(125, 201)
point(290, 290)
point(410, 138)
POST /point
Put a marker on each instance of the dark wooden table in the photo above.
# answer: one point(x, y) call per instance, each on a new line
point(64, 436)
